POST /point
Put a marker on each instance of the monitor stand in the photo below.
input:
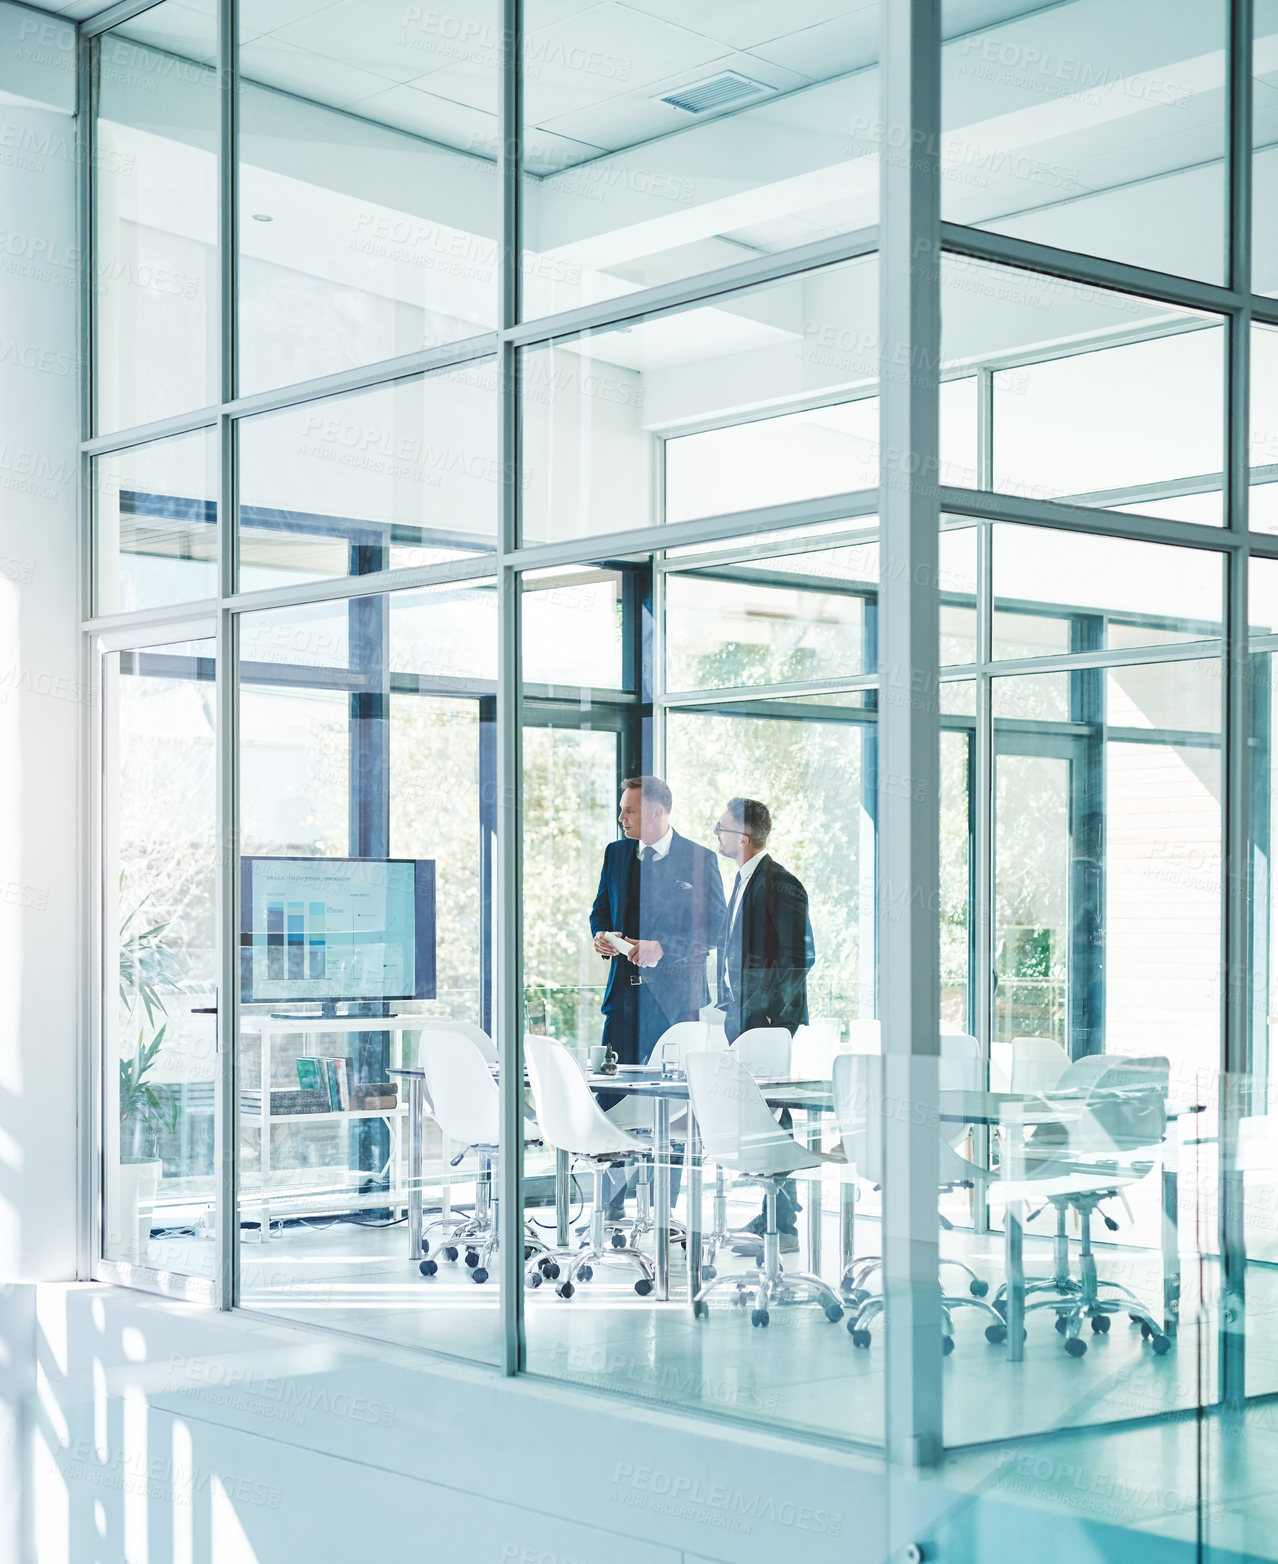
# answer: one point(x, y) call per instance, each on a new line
point(327, 1012)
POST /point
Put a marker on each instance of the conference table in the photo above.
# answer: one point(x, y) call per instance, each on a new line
point(814, 1099)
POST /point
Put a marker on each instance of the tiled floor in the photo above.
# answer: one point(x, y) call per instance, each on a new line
point(1035, 1431)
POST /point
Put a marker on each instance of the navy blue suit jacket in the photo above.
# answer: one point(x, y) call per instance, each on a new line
point(765, 960)
point(687, 920)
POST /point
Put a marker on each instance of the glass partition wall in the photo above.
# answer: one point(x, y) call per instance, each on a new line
point(890, 582)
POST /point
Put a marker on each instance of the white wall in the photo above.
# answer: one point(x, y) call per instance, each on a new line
point(41, 704)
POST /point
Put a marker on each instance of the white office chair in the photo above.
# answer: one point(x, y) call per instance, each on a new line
point(858, 1112)
point(466, 1104)
point(1106, 1136)
point(865, 1036)
point(572, 1121)
point(739, 1132)
point(814, 1047)
point(467, 1029)
point(637, 1114)
point(765, 1051)
point(1037, 1064)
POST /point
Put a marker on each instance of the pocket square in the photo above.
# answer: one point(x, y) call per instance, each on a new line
point(683, 885)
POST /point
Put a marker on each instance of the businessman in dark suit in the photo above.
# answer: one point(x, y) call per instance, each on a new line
point(661, 895)
point(765, 951)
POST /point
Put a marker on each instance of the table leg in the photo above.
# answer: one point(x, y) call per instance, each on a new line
point(1013, 1235)
point(415, 1130)
point(692, 1172)
point(812, 1139)
point(980, 1193)
point(265, 1158)
point(563, 1191)
point(1171, 1228)
point(661, 1189)
point(847, 1228)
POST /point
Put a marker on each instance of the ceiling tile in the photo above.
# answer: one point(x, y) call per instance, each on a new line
point(743, 23)
point(437, 119)
point(188, 30)
point(828, 49)
point(384, 36)
point(274, 63)
point(264, 16)
point(641, 116)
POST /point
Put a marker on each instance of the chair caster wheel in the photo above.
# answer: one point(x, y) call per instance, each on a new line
point(858, 1296)
point(551, 1272)
point(643, 1286)
point(1135, 1319)
point(947, 1346)
point(758, 1261)
point(1145, 1331)
point(1076, 1346)
point(996, 1335)
point(1000, 1306)
point(708, 1273)
point(534, 1280)
point(479, 1274)
point(472, 1259)
point(618, 1240)
point(740, 1301)
point(1161, 1344)
point(585, 1272)
point(860, 1338)
point(834, 1313)
point(700, 1309)
point(978, 1288)
point(428, 1267)
point(1100, 1324)
point(450, 1253)
point(425, 1246)
point(758, 1316)
point(565, 1289)
point(1062, 1323)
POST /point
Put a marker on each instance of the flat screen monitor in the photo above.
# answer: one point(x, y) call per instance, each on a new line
point(328, 929)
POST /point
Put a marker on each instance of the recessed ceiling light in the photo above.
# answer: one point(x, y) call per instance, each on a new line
point(262, 217)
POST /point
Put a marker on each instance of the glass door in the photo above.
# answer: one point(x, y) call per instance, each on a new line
point(159, 1092)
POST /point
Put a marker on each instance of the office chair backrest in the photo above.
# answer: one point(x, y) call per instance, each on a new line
point(858, 1112)
point(961, 1067)
point(1080, 1074)
point(463, 1094)
point(476, 1034)
point(1037, 1064)
point(865, 1036)
point(569, 1116)
point(764, 1050)
point(1126, 1107)
point(685, 1037)
point(737, 1127)
point(814, 1047)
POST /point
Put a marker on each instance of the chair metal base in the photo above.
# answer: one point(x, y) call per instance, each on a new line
point(579, 1266)
point(771, 1283)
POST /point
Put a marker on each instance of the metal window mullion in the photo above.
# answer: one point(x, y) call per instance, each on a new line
point(909, 727)
point(1235, 1054)
point(508, 982)
point(226, 730)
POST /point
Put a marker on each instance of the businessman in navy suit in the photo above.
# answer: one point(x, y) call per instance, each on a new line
point(662, 895)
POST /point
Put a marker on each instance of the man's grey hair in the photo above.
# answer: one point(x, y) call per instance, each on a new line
point(753, 817)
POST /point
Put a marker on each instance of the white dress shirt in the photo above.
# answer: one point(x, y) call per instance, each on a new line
point(657, 849)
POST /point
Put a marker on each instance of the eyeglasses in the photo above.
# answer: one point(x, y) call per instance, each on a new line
point(724, 830)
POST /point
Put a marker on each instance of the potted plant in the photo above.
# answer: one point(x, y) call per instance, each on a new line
point(145, 1110)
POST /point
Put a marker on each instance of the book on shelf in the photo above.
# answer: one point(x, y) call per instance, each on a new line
point(375, 1094)
point(310, 1074)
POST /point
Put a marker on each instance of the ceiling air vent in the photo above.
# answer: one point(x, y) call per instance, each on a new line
point(716, 92)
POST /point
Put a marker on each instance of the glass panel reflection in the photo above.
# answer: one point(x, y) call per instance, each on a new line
point(155, 215)
point(368, 195)
point(659, 143)
point(155, 523)
point(160, 1065)
point(369, 1110)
